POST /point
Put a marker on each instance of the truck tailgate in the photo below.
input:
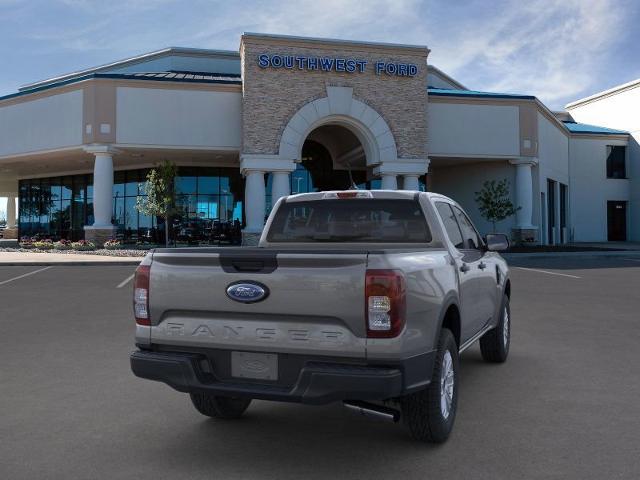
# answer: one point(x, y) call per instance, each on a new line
point(314, 303)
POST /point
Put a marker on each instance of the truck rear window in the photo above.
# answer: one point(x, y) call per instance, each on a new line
point(365, 220)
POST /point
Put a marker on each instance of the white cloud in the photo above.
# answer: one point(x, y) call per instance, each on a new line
point(550, 48)
point(553, 49)
point(558, 50)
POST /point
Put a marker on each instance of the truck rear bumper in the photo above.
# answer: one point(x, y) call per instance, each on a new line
point(317, 383)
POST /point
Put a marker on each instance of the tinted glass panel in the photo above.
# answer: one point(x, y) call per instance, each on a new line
point(616, 167)
point(186, 185)
point(353, 220)
point(469, 235)
point(119, 180)
point(450, 224)
point(131, 185)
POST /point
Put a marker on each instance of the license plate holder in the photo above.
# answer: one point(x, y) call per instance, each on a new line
point(252, 365)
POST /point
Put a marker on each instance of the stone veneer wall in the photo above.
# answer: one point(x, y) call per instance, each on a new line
point(271, 96)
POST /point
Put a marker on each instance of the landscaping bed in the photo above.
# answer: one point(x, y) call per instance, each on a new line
point(558, 248)
point(122, 252)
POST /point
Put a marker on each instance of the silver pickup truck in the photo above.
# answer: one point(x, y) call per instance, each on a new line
point(364, 297)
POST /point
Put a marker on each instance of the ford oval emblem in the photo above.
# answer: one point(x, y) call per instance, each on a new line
point(247, 291)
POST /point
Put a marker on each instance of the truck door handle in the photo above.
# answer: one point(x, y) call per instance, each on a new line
point(464, 268)
point(482, 266)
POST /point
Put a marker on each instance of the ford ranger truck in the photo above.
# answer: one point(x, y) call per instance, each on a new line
point(361, 297)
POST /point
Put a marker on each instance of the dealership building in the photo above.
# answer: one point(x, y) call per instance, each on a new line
point(290, 114)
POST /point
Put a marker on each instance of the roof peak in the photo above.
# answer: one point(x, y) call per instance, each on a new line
point(604, 93)
point(131, 61)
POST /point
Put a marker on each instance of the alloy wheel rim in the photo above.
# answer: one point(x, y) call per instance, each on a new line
point(447, 383)
point(505, 328)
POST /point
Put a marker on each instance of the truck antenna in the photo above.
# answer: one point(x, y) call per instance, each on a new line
point(353, 185)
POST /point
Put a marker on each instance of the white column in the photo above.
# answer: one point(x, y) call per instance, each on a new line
point(254, 197)
point(410, 182)
point(524, 192)
point(102, 190)
point(389, 181)
point(11, 212)
point(279, 186)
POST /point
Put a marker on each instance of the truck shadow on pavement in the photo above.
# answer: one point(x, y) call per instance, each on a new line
point(278, 440)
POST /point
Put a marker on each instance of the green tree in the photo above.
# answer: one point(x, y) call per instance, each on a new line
point(160, 199)
point(494, 202)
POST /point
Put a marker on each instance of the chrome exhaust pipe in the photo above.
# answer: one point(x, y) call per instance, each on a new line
point(372, 410)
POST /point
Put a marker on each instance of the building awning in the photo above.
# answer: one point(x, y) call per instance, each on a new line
point(575, 127)
point(445, 92)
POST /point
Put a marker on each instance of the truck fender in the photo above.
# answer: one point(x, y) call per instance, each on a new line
point(450, 300)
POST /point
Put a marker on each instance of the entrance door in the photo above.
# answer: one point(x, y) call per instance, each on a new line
point(551, 211)
point(617, 221)
point(543, 219)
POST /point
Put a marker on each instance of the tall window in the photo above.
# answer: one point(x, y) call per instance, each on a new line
point(56, 207)
point(616, 161)
point(209, 202)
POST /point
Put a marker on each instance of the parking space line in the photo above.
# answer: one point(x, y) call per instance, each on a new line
point(25, 275)
point(125, 281)
point(547, 272)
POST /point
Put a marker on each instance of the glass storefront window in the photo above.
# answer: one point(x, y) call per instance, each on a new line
point(209, 202)
point(208, 185)
point(186, 185)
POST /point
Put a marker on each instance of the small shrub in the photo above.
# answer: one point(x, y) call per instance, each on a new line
point(112, 244)
point(83, 245)
point(26, 242)
point(62, 245)
point(43, 244)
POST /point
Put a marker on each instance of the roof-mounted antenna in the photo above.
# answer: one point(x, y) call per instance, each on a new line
point(353, 185)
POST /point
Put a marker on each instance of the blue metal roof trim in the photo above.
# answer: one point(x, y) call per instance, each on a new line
point(228, 79)
point(575, 127)
point(445, 92)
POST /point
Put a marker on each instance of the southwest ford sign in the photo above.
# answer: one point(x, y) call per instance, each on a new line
point(334, 64)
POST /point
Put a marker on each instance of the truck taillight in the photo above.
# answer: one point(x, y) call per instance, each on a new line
point(385, 303)
point(141, 295)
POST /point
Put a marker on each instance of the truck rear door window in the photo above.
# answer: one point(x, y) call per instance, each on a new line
point(450, 224)
point(365, 220)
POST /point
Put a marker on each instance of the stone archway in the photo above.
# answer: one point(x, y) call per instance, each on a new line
point(340, 108)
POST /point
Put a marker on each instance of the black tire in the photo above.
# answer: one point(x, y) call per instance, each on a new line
point(494, 344)
point(219, 407)
point(422, 411)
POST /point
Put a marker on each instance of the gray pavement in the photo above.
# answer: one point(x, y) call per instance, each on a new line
point(566, 404)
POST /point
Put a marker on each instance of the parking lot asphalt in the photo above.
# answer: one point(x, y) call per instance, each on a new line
point(565, 405)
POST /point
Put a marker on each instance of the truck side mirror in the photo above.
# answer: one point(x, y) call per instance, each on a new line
point(497, 242)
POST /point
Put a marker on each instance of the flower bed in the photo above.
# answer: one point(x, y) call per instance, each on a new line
point(83, 245)
point(62, 245)
point(112, 244)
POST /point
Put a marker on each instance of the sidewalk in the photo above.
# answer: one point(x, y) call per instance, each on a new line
point(592, 253)
point(32, 258)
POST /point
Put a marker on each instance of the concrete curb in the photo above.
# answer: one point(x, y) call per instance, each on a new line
point(71, 263)
point(617, 253)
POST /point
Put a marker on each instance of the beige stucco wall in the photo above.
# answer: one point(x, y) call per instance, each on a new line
point(179, 117)
point(49, 122)
point(473, 129)
point(272, 96)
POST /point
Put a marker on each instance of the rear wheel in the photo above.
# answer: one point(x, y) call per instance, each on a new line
point(430, 413)
point(219, 407)
point(494, 344)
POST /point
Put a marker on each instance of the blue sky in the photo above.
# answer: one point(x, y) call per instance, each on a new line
point(557, 50)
